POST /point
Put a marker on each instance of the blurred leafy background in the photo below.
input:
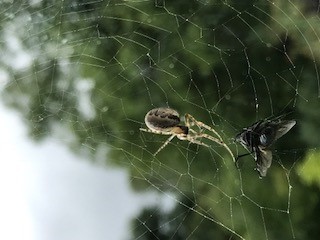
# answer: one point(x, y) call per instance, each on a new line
point(227, 63)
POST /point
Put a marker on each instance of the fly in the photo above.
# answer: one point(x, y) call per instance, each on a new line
point(258, 139)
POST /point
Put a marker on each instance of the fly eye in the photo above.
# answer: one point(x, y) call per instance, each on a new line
point(263, 139)
point(267, 136)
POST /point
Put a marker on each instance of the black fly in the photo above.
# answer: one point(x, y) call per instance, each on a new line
point(258, 139)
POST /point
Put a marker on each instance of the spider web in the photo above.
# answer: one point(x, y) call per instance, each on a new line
point(88, 72)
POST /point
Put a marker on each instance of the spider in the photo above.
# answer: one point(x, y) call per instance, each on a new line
point(166, 121)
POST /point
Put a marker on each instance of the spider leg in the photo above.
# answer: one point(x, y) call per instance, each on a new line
point(218, 141)
point(192, 121)
point(165, 144)
point(145, 130)
point(160, 133)
point(154, 132)
point(191, 139)
point(207, 136)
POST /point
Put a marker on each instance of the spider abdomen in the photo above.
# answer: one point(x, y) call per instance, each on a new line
point(162, 119)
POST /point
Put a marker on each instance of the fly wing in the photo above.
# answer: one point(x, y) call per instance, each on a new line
point(263, 161)
point(284, 127)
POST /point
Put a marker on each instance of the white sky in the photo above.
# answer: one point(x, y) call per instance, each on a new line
point(49, 194)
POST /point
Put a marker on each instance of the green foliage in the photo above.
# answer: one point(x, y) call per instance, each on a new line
point(309, 168)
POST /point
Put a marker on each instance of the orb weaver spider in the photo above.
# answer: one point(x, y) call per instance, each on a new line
point(166, 121)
